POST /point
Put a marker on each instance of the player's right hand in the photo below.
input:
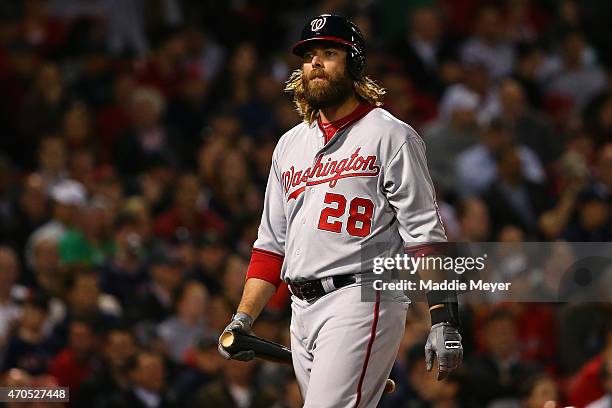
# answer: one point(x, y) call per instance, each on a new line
point(241, 322)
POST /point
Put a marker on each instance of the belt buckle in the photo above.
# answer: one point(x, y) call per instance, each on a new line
point(309, 291)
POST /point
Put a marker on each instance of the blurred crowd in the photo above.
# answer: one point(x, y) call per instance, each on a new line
point(136, 143)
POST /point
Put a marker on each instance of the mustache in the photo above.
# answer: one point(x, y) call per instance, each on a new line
point(317, 74)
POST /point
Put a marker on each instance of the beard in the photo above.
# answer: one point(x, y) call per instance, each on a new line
point(331, 91)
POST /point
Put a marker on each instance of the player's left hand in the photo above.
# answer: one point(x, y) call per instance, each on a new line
point(443, 342)
point(241, 322)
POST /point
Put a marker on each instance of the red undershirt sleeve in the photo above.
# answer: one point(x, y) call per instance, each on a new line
point(265, 265)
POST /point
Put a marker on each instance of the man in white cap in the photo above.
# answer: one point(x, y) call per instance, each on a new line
point(68, 198)
point(454, 131)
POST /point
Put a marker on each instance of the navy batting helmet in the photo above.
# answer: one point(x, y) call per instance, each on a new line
point(329, 27)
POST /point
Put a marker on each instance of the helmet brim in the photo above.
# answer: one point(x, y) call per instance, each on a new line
point(299, 47)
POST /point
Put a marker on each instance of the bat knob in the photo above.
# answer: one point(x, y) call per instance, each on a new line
point(227, 339)
point(389, 386)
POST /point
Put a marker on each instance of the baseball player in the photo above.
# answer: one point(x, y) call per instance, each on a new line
point(348, 175)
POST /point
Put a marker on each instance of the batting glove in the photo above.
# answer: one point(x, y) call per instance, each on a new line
point(241, 322)
point(443, 342)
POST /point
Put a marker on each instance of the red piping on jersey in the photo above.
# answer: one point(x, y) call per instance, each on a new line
point(331, 128)
point(274, 254)
point(369, 350)
point(427, 249)
point(265, 265)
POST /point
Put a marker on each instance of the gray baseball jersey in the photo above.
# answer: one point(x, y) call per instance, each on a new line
point(324, 202)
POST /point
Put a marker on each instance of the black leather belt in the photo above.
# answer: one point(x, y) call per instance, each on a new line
point(314, 289)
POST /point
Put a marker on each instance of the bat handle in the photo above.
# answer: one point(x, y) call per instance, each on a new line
point(227, 339)
point(389, 386)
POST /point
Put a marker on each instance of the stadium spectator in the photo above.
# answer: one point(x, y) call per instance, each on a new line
point(576, 79)
point(9, 292)
point(476, 166)
point(598, 115)
point(125, 272)
point(67, 198)
point(235, 271)
point(237, 83)
point(428, 53)
point(203, 366)
point(592, 204)
point(154, 302)
point(43, 108)
point(106, 384)
point(489, 45)
point(84, 301)
point(147, 138)
point(527, 72)
point(537, 391)
point(606, 379)
point(17, 378)
point(126, 28)
point(474, 220)
point(77, 128)
point(76, 362)
point(211, 253)
point(593, 218)
point(113, 119)
point(187, 215)
point(28, 347)
point(423, 388)
point(513, 199)
point(6, 200)
point(452, 133)
point(527, 128)
point(147, 382)
point(239, 388)
point(498, 371)
point(161, 68)
point(52, 161)
point(187, 112)
point(235, 196)
point(220, 308)
point(587, 384)
point(44, 266)
point(603, 175)
point(82, 167)
point(188, 326)
point(30, 212)
point(89, 243)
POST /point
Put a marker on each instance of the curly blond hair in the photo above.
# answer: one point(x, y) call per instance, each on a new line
point(367, 90)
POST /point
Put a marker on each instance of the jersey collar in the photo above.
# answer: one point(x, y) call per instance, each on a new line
point(331, 128)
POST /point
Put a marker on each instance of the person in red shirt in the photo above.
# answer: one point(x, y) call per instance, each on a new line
point(187, 215)
point(77, 361)
point(587, 385)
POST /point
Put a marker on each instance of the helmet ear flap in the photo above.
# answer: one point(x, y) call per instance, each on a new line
point(356, 62)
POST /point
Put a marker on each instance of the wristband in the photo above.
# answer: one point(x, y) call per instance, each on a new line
point(443, 307)
point(243, 317)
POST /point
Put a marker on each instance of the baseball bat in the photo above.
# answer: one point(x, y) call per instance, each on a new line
point(234, 342)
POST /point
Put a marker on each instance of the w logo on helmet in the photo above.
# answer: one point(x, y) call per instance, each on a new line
point(318, 23)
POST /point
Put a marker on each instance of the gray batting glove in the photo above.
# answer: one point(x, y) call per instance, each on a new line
point(443, 342)
point(241, 322)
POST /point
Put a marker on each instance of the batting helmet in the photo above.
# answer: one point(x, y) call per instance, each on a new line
point(329, 27)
